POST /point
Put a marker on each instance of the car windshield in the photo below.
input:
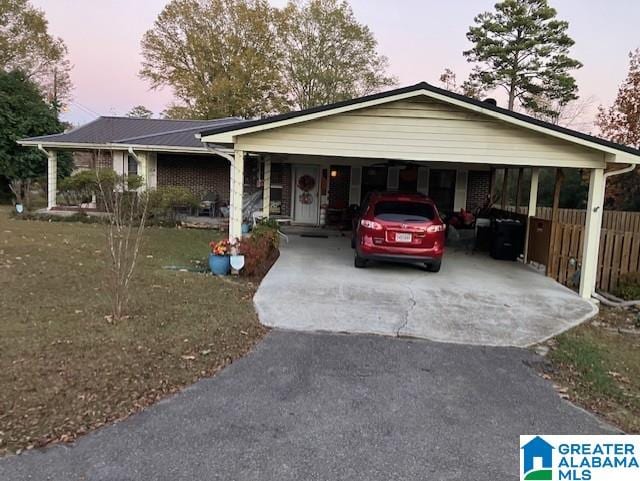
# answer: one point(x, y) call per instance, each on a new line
point(404, 211)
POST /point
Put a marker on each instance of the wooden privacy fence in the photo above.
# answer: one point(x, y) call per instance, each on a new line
point(611, 219)
point(619, 252)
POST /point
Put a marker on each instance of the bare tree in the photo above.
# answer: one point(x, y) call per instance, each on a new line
point(126, 209)
point(574, 114)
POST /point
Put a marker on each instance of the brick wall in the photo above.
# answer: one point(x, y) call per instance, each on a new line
point(198, 173)
point(478, 188)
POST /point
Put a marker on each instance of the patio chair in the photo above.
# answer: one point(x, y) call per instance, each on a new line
point(208, 204)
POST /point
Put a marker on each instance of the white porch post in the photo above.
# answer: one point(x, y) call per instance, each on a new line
point(533, 207)
point(593, 225)
point(266, 188)
point(235, 195)
point(52, 178)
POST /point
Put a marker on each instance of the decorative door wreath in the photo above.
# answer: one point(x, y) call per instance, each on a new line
point(306, 183)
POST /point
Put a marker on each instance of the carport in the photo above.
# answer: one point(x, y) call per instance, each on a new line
point(425, 125)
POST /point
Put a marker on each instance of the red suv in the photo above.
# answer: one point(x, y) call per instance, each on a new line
point(400, 228)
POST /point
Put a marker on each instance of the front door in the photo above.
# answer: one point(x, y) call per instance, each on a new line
point(306, 190)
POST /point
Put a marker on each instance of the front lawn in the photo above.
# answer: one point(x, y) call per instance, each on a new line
point(65, 368)
point(598, 364)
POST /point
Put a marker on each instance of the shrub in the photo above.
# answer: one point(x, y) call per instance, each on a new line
point(629, 286)
point(260, 250)
point(81, 186)
point(166, 201)
point(78, 188)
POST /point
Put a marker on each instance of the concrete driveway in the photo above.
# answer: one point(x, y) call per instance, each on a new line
point(472, 300)
point(307, 406)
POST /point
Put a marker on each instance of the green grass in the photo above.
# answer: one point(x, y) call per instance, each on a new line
point(65, 368)
point(601, 369)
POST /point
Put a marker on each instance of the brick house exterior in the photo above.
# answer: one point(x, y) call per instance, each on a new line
point(478, 188)
point(198, 173)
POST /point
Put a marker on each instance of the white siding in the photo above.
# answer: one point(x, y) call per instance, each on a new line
point(421, 129)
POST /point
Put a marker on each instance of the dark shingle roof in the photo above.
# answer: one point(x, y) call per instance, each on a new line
point(412, 88)
point(136, 131)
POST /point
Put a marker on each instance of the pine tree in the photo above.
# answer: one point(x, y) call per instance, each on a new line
point(523, 48)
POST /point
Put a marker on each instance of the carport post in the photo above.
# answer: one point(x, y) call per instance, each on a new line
point(591, 243)
point(52, 178)
point(235, 195)
point(266, 188)
point(533, 207)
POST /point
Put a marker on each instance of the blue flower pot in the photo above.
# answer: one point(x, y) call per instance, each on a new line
point(219, 265)
point(245, 228)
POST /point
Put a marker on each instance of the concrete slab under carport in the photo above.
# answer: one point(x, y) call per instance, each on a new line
point(473, 300)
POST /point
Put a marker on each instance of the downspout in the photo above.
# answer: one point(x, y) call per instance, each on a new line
point(220, 152)
point(626, 170)
point(42, 149)
point(134, 155)
point(608, 299)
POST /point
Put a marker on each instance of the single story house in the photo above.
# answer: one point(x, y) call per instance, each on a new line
point(309, 162)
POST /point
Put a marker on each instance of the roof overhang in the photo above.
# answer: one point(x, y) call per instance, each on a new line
point(615, 153)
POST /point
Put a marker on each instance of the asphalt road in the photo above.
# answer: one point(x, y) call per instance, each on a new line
point(330, 407)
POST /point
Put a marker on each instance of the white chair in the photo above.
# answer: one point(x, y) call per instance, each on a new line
point(257, 216)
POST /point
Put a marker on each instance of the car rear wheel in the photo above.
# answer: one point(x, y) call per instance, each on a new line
point(359, 262)
point(433, 266)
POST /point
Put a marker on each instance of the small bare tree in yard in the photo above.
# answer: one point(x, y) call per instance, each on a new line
point(126, 209)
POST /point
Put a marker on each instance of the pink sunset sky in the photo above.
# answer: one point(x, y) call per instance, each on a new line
point(420, 37)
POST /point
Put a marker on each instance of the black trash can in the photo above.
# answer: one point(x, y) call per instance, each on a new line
point(483, 235)
point(507, 239)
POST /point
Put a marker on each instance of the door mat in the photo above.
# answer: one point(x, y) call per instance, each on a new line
point(315, 236)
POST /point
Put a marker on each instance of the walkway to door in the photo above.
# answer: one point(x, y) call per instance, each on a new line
point(473, 300)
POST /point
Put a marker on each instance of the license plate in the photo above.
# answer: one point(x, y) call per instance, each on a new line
point(403, 237)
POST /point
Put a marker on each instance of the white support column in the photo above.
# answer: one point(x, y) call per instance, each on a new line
point(460, 196)
point(592, 229)
point(52, 178)
point(266, 188)
point(236, 192)
point(533, 207)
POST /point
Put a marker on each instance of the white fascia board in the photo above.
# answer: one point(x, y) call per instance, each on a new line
point(230, 136)
point(69, 145)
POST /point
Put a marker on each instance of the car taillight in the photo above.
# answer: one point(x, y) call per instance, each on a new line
point(436, 228)
point(369, 224)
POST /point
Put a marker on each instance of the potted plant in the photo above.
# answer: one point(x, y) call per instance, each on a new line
point(219, 261)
